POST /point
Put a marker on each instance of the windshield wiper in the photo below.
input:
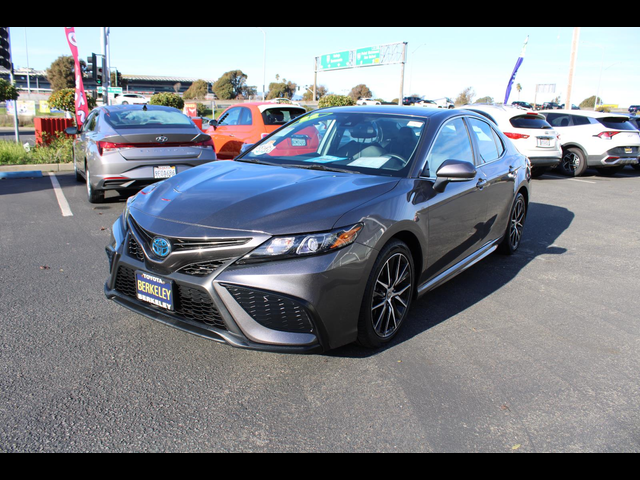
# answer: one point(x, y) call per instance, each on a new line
point(257, 162)
point(322, 168)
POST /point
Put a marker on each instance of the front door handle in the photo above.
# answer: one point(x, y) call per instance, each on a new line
point(481, 184)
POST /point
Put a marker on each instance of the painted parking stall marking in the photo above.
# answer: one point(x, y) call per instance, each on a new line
point(62, 200)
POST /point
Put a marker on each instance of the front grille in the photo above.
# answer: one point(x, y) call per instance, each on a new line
point(273, 311)
point(135, 250)
point(203, 269)
point(191, 303)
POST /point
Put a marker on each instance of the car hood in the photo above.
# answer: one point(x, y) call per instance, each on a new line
point(243, 197)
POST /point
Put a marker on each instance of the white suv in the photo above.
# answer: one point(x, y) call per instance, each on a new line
point(131, 99)
point(529, 131)
point(605, 141)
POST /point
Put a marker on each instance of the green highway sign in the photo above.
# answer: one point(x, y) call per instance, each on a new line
point(368, 57)
point(335, 61)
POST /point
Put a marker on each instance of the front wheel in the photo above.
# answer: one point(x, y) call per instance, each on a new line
point(388, 296)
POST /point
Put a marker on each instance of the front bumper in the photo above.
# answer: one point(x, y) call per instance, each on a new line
point(306, 305)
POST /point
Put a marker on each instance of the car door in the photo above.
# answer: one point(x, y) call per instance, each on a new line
point(457, 216)
point(500, 173)
point(233, 129)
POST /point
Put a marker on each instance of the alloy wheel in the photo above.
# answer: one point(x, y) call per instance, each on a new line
point(518, 217)
point(392, 296)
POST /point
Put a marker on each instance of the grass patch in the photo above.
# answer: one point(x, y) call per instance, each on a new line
point(58, 151)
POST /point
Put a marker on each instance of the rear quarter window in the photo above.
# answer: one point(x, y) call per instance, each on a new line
point(281, 115)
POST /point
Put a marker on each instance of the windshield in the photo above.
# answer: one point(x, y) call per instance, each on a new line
point(374, 144)
point(140, 118)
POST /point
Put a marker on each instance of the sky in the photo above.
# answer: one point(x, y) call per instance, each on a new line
point(442, 61)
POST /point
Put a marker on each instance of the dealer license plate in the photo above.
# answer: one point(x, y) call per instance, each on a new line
point(164, 172)
point(154, 290)
point(544, 142)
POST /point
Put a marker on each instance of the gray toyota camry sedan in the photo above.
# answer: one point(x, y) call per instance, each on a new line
point(325, 232)
point(131, 146)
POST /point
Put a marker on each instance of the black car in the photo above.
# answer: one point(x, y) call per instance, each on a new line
point(411, 100)
point(633, 109)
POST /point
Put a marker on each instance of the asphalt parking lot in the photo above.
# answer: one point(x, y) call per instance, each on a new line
point(535, 353)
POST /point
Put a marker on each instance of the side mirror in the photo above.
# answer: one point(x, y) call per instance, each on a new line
point(454, 171)
point(213, 123)
point(71, 131)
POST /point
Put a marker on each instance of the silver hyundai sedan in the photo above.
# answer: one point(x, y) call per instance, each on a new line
point(132, 146)
point(324, 233)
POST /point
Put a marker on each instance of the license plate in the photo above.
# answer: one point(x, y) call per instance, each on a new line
point(544, 142)
point(164, 172)
point(628, 150)
point(154, 290)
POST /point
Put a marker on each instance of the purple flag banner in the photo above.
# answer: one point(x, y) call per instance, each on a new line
point(515, 71)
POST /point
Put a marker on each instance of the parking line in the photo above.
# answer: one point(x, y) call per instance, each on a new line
point(62, 201)
point(573, 179)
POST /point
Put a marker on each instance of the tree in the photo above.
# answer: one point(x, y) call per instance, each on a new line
point(281, 89)
point(466, 97)
point(198, 90)
point(484, 100)
point(167, 100)
point(61, 73)
point(65, 100)
point(7, 91)
point(336, 101)
point(321, 91)
point(590, 102)
point(232, 85)
point(360, 91)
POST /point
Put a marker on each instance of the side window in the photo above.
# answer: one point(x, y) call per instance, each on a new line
point(91, 123)
point(452, 143)
point(232, 117)
point(579, 121)
point(246, 118)
point(559, 120)
point(486, 138)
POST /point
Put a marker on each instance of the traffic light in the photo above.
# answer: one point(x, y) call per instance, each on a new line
point(5, 48)
point(95, 69)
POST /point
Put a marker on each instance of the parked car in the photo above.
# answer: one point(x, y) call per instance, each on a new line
point(324, 233)
point(248, 123)
point(633, 109)
point(408, 101)
point(525, 105)
point(130, 99)
point(129, 147)
point(550, 106)
point(445, 103)
point(605, 141)
point(530, 133)
point(427, 104)
point(368, 101)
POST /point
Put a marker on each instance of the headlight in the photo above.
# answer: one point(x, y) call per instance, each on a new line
point(304, 245)
point(126, 213)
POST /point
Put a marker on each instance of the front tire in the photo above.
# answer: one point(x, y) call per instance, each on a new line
point(388, 296)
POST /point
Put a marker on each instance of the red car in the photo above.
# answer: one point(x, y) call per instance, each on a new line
point(248, 123)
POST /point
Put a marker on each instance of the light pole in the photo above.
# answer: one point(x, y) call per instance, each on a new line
point(264, 65)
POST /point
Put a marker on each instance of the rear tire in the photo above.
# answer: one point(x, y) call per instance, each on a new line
point(515, 229)
point(574, 163)
point(94, 196)
point(388, 296)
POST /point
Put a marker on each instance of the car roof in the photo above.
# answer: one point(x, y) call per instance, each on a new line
point(504, 110)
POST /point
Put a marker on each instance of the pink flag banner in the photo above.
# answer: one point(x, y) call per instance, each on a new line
point(82, 109)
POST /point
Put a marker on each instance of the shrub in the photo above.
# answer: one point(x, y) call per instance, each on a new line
point(168, 100)
point(336, 101)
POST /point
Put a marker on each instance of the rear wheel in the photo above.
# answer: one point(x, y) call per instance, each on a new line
point(388, 296)
point(515, 229)
point(93, 195)
point(574, 163)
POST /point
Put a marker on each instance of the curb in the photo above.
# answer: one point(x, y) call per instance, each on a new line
point(48, 167)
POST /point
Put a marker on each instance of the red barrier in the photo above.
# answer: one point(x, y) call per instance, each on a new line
point(47, 128)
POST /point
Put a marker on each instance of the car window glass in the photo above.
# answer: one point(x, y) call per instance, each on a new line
point(486, 140)
point(232, 117)
point(559, 120)
point(452, 143)
point(578, 120)
point(150, 118)
point(281, 116)
point(374, 144)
